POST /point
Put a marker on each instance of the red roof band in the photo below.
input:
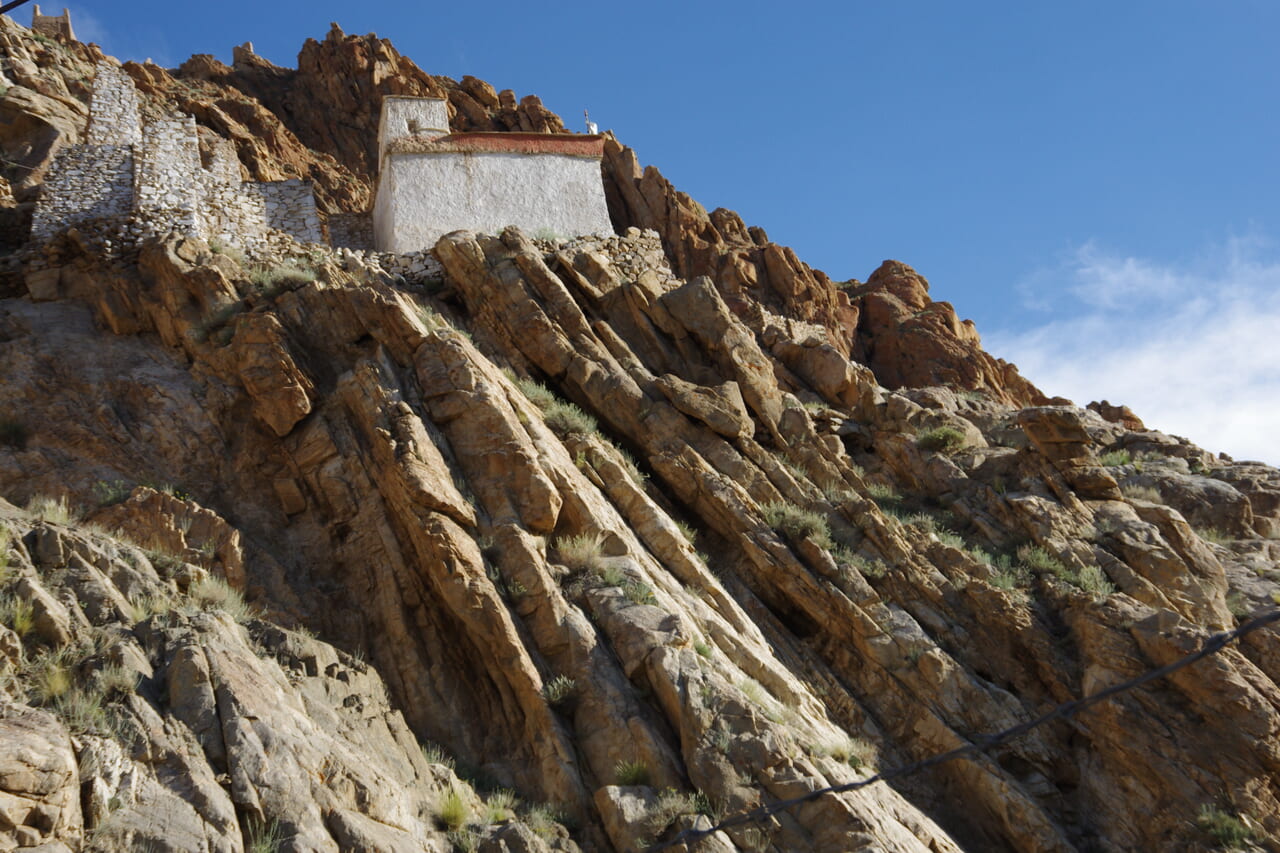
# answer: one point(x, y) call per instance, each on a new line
point(504, 143)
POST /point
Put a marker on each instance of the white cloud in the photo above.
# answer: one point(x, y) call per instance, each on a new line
point(1193, 349)
point(88, 28)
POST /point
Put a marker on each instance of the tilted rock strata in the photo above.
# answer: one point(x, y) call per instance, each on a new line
point(354, 460)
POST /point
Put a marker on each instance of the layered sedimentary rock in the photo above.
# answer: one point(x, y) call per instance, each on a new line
point(587, 521)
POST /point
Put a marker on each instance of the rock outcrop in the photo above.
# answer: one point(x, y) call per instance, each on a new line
point(643, 531)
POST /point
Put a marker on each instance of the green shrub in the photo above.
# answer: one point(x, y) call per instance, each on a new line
point(1094, 581)
point(500, 806)
point(631, 773)
point(542, 819)
point(1037, 558)
point(433, 753)
point(14, 433)
point(796, 523)
point(853, 751)
point(582, 553)
point(639, 592)
point(702, 648)
point(566, 419)
point(536, 392)
point(1226, 829)
point(214, 593)
point(1141, 493)
point(273, 279)
point(262, 836)
point(17, 614)
point(454, 812)
point(109, 493)
point(672, 804)
point(1115, 458)
point(559, 689)
point(1212, 534)
point(54, 510)
point(943, 439)
point(686, 530)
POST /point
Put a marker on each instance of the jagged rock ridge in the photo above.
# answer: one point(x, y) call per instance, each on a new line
point(863, 576)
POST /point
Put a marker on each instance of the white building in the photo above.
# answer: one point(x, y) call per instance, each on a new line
point(432, 182)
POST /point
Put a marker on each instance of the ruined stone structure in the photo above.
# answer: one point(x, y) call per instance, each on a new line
point(56, 27)
point(129, 182)
point(432, 182)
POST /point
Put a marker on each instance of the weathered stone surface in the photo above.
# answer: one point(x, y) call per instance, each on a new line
point(528, 596)
point(39, 791)
point(720, 408)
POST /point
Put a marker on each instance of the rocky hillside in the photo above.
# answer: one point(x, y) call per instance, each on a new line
point(586, 543)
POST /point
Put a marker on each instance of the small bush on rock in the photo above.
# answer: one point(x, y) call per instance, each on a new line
point(581, 553)
point(943, 439)
point(796, 523)
point(631, 773)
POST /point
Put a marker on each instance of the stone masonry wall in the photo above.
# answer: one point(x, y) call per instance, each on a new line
point(351, 231)
point(290, 207)
point(128, 184)
point(115, 118)
point(167, 187)
point(86, 183)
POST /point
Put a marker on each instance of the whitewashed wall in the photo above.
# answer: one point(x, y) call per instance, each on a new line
point(422, 196)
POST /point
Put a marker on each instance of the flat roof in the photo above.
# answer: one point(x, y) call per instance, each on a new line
point(573, 145)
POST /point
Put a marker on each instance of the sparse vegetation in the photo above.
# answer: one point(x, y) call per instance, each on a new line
point(500, 806)
point(110, 492)
point(796, 523)
point(1137, 492)
point(1038, 559)
point(270, 280)
point(631, 773)
point(213, 593)
point(542, 819)
point(943, 439)
point(672, 804)
point(702, 648)
point(1094, 581)
point(582, 553)
point(54, 510)
point(14, 433)
point(855, 752)
point(686, 530)
point(17, 614)
point(1212, 534)
point(433, 753)
point(559, 689)
point(453, 811)
point(262, 836)
point(536, 392)
point(1225, 829)
point(566, 419)
point(1116, 458)
point(639, 592)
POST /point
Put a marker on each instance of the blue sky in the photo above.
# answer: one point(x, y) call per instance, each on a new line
point(1035, 161)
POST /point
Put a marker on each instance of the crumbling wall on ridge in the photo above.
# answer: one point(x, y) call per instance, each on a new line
point(290, 207)
point(168, 189)
point(115, 117)
point(86, 184)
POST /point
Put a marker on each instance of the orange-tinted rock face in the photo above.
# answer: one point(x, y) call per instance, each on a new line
point(911, 341)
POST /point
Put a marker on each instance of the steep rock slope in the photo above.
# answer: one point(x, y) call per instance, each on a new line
point(802, 575)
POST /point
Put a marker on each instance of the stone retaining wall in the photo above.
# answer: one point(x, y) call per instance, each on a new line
point(290, 207)
point(129, 184)
point(85, 183)
point(351, 231)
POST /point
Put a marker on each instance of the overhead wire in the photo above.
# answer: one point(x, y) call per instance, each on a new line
point(1212, 645)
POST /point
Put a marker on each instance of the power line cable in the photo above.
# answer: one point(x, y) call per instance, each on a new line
point(1212, 645)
